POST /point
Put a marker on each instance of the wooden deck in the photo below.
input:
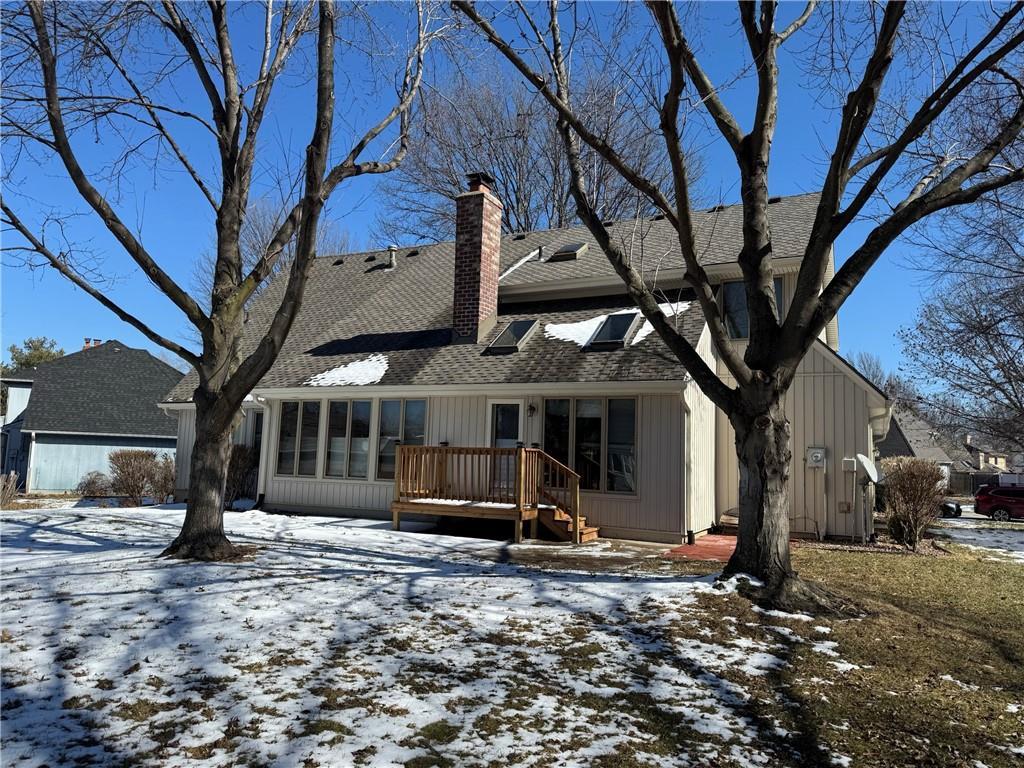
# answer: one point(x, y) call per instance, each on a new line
point(517, 484)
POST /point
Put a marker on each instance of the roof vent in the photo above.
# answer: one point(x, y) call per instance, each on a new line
point(776, 199)
point(717, 208)
point(567, 252)
point(392, 256)
point(338, 262)
point(410, 254)
point(520, 236)
point(658, 217)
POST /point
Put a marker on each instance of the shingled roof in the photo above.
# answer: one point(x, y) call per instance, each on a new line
point(910, 435)
point(109, 389)
point(358, 312)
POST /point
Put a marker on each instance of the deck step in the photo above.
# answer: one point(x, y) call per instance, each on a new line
point(559, 523)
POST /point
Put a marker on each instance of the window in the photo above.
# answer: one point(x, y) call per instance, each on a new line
point(587, 457)
point(359, 445)
point(512, 338)
point(400, 421)
point(556, 429)
point(612, 333)
point(337, 438)
point(597, 438)
point(298, 438)
point(620, 465)
point(257, 434)
point(734, 307)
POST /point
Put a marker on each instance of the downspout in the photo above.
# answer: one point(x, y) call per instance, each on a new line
point(28, 465)
point(687, 530)
point(261, 472)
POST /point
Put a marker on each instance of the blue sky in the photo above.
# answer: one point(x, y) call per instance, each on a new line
point(176, 223)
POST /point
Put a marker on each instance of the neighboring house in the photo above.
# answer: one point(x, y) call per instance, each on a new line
point(499, 340)
point(984, 457)
point(66, 416)
point(910, 435)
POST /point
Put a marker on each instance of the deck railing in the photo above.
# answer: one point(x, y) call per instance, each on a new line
point(523, 478)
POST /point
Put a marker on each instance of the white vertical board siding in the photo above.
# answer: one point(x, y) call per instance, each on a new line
point(826, 408)
point(700, 456)
point(187, 436)
point(183, 456)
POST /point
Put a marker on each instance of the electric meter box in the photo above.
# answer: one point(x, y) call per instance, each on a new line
point(815, 458)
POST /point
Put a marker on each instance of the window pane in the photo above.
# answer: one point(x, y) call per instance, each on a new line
point(621, 446)
point(257, 435)
point(309, 435)
point(359, 448)
point(614, 329)
point(286, 438)
point(337, 438)
point(735, 298)
point(588, 443)
point(556, 429)
point(414, 431)
point(390, 423)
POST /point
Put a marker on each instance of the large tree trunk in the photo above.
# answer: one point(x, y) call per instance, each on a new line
point(202, 534)
point(765, 456)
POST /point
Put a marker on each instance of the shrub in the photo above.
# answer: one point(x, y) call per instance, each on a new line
point(913, 491)
point(8, 489)
point(161, 480)
point(94, 484)
point(130, 474)
point(242, 471)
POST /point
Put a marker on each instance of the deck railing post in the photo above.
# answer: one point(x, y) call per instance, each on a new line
point(399, 473)
point(576, 533)
point(520, 487)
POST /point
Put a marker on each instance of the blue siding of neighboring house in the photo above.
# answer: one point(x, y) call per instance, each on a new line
point(59, 461)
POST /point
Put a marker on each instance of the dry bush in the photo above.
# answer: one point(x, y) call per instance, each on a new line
point(8, 489)
point(93, 484)
point(130, 474)
point(242, 470)
point(913, 492)
point(161, 480)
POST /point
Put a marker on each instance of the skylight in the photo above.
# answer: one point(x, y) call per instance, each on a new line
point(567, 252)
point(512, 337)
point(612, 333)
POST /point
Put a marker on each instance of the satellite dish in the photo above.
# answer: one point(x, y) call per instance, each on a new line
point(869, 467)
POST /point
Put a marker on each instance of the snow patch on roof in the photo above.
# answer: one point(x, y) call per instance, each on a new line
point(671, 309)
point(358, 372)
point(579, 333)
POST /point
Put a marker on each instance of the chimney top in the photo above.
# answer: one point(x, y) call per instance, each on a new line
point(479, 180)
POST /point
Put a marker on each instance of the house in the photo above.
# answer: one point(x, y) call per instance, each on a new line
point(460, 352)
point(984, 457)
point(911, 435)
point(66, 416)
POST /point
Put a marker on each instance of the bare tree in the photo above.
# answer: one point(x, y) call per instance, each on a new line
point(896, 387)
point(899, 153)
point(75, 71)
point(967, 351)
point(479, 121)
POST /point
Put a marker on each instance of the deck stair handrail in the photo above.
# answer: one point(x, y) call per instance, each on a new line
point(519, 478)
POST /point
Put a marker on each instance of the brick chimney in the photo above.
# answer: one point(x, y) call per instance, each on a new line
point(477, 253)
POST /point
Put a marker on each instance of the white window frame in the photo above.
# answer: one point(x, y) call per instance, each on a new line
point(401, 429)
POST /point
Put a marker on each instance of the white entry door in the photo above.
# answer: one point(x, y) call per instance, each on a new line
point(505, 425)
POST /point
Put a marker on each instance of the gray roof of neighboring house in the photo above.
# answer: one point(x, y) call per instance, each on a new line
point(353, 308)
point(110, 389)
point(910, 435)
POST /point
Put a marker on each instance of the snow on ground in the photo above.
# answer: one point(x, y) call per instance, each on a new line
point(341, 642)
point(1005, 541)
point(368, 371)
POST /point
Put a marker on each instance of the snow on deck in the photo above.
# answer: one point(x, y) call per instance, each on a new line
point(340, 641)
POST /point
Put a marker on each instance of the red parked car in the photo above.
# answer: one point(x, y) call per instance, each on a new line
point(1000, 502)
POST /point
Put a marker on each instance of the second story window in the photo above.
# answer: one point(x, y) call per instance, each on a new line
point(734, 307)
